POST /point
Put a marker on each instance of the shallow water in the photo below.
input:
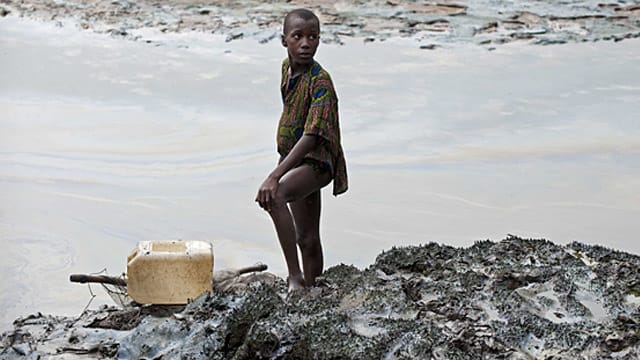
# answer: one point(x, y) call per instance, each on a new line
point(106, 142)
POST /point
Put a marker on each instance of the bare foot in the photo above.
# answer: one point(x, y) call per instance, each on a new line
point(295, 283)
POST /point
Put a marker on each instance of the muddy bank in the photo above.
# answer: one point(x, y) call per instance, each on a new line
point(515, 299)
point(432, 24)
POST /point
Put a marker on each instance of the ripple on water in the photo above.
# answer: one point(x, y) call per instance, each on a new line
point(30, 271)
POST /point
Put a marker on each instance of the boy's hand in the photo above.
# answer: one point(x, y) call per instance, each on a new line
point(267, 193)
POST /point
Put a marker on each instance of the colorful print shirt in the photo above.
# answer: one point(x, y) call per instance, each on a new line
point(310, 107)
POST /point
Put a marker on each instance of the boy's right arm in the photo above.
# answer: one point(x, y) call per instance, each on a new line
point(268, 189)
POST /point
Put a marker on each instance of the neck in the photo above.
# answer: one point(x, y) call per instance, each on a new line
point(297, 69)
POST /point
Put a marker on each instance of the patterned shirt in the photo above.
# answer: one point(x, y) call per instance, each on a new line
point(310, 107)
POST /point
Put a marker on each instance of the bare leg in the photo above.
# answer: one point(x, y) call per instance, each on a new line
point(306, 216)
point(297, 184)
point(285, 230)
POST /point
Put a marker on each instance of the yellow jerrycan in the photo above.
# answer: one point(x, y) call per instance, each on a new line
point(169, 272)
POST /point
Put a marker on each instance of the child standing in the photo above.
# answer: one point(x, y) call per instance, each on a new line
point(310, 151)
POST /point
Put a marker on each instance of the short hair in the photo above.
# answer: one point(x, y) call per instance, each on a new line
point(304, 14)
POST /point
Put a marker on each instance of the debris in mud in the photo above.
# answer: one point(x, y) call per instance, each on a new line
point(516, 298)
point(483, 22)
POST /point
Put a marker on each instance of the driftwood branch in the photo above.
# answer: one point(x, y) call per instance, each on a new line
point(102, 279)
point(252, 268)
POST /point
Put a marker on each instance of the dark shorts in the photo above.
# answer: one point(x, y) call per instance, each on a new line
point(317, 165)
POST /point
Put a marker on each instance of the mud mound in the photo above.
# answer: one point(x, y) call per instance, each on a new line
point(513, 299)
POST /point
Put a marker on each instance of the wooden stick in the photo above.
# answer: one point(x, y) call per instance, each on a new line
point(103, 279)
point(252, 268)
point(226, 275)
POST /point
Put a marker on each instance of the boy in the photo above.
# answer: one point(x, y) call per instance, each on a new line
point(310, 151)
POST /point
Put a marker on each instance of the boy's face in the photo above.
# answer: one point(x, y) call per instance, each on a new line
point(302, 40)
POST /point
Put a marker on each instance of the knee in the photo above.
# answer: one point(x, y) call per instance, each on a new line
point(309, 243)
point(278, 203)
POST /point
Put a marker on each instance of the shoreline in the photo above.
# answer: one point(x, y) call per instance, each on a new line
point(430, 25)
point(516, 298)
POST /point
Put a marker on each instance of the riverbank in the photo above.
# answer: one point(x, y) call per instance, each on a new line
point(432, 25)
point(515, 299)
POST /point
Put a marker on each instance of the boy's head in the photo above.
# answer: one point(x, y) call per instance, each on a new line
point(301, 36)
